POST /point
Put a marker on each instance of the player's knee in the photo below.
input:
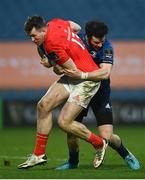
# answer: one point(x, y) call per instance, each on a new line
point(115, 139)
point(72, 140)
point(43, 106)
point(106, 134)
point(70, 136)
point(63, 124)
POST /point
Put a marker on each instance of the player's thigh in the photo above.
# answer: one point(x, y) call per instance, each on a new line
point(55, 95)
point(69, 112)
point(106, 131)
point(102, 112)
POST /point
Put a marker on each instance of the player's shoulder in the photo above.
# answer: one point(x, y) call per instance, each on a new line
point(107, 44)
point(58, 22)
point(107, 52)
point(82, 36)
point(52, 44)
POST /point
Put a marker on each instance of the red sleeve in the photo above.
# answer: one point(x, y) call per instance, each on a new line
point(56, 40)
point(60, 51)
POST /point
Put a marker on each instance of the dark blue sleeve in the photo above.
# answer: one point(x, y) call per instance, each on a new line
point(107, 53)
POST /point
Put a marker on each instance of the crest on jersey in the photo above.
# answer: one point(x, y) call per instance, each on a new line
point(93, 54)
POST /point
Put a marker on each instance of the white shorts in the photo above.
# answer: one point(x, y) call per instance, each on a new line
point(80, 91)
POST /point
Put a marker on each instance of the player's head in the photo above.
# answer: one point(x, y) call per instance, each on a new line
point(35, 27)
point(96, 32)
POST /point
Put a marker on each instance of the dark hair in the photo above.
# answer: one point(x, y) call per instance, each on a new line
point(34, 21)
point(96, 28)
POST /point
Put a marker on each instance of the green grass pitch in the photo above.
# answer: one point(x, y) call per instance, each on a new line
point(15, 144)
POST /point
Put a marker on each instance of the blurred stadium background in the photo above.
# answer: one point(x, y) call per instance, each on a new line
point(23, 81)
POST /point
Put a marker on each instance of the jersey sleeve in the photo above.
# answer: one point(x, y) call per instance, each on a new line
point(108, 55)
point(60, 52)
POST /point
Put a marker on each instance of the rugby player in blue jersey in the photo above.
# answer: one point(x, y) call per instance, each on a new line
point(102, 52)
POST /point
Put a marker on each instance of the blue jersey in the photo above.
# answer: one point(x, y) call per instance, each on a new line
point(104, 55)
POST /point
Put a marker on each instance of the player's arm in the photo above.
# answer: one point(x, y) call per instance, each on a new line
point(76, 27)
point(98, 75)
point(60, 57)
point(45, 62)
point(69, 65)
point(101, 74)
point(44, 59)
point(57, 69)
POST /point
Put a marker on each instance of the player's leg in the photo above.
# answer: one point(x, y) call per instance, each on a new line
point(81, 93)
point(115, 143)
point(80, 96)
point(73, 143)
point(73, 156)
point(75, 153)
point(105, 127)
point(67, 123)
point(54, 96)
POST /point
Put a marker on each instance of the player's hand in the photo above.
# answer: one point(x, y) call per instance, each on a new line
point(58, 70)
point(76, 74)
point(44, 61)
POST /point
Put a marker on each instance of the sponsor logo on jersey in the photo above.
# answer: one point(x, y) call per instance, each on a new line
point(108, 53)
point(93, 54)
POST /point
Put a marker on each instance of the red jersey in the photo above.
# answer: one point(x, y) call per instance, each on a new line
point(61, 40)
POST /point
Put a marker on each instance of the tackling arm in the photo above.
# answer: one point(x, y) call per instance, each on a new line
point(101, 74)
point(69, 65)
point(98, 75)
point(59, 70)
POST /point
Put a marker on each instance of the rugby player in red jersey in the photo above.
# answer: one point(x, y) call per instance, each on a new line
point(65, 49)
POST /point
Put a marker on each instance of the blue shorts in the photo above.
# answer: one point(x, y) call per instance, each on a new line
point(101, 107)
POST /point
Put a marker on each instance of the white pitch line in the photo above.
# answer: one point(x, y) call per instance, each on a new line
point(12, 157)
point(25, 157)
